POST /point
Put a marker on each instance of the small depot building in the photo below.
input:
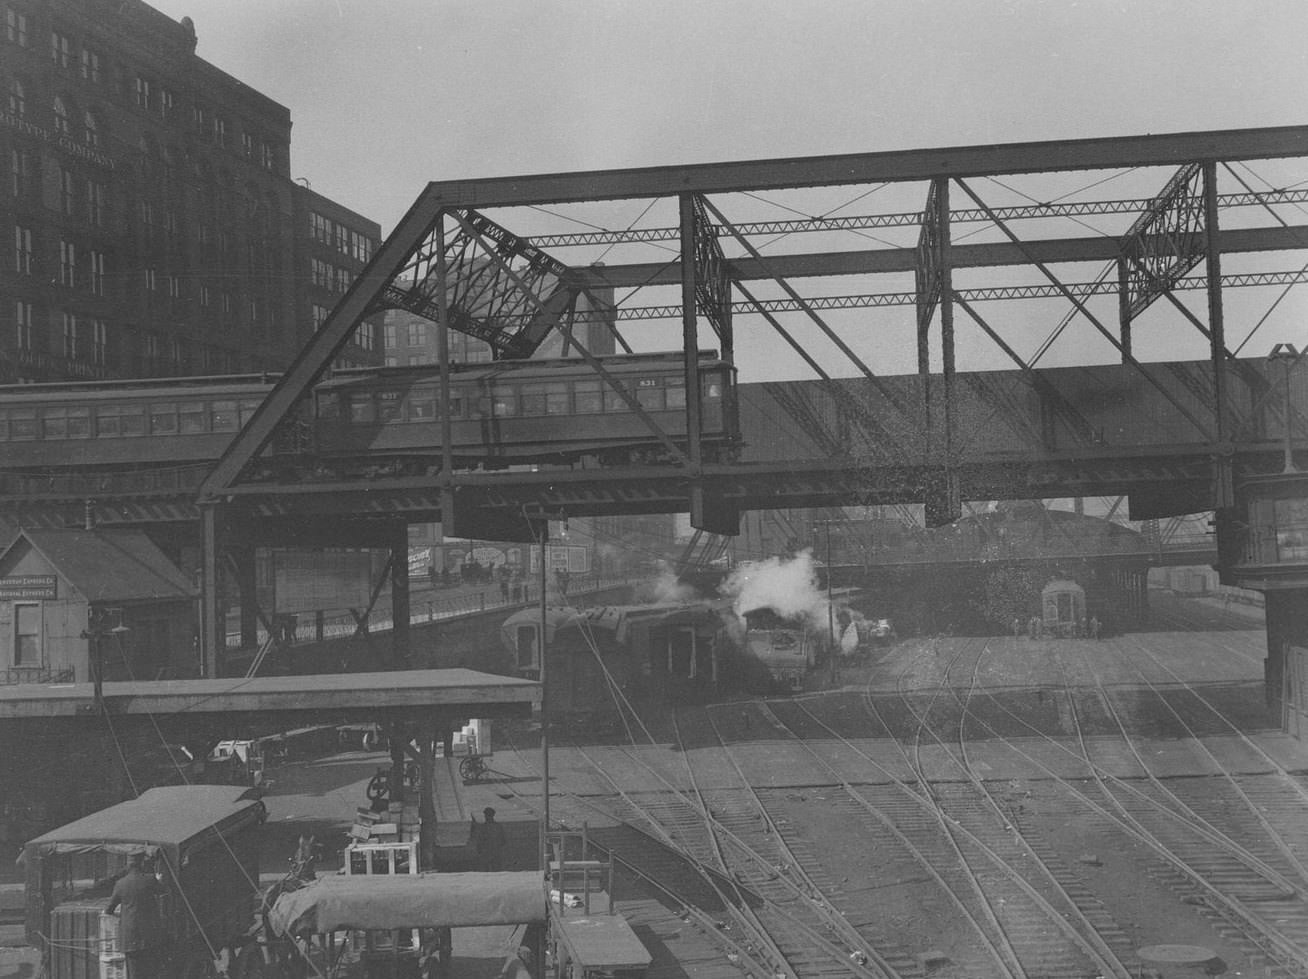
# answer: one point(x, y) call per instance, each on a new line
point(68, 595)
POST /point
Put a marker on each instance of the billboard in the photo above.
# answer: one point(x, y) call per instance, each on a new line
point(321, 580)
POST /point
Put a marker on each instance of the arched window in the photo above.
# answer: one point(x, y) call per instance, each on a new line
point(61, 116)
point(17, 98)
point(92, 129)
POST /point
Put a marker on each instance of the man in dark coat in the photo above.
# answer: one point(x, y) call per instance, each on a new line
point(140, 929)
point(489, 839)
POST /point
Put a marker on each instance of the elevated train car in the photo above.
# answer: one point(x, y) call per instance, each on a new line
point(502, 413)
point(525, 411)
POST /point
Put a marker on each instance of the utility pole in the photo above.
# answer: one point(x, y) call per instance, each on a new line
point(539, 520)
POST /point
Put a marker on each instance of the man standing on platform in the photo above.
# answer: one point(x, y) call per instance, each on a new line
point(489, 839)
point(140, 935)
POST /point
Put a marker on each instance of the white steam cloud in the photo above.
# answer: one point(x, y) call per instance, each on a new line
point(666, 590)
point(788, 587)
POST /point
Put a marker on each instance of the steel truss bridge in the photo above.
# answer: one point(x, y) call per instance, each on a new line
point(455, 259)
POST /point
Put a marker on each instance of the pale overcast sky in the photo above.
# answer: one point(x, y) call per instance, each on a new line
point(386, 95)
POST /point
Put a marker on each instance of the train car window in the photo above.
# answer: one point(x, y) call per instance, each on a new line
point(163, 419)
point(191, 419)
point(711, 385)
point(556, 398)
point(649, 393)
point(456, 406)
point(422, 405)
point(222, 416)
point(613, 401)
point(586, 397)
point(108, 423)
point(131, 419)
point(389, 405)
point(533, 399)
point(329, 405)
point(362, 409)
point(54, 423)
point(248, 408)
point(674, 391)
point(505, 402)
point(22, 424)
point(79, 423)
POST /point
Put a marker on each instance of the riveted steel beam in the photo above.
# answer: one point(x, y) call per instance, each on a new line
point(1169, 149)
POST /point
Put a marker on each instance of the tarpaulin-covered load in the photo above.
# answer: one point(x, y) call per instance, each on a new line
point(364, 902)
point(168, 819)
point(200, 833)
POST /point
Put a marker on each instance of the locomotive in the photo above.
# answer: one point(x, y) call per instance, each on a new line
point(501, 413)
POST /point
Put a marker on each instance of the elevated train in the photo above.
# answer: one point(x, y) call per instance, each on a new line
point(502, 413)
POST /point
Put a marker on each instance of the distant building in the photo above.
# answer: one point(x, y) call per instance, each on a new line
point(68, 596)
point(152, 225)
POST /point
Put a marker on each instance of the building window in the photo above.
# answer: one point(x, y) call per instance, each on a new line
point(321, 273)
point(197, 118)
point(388, 336)
point(99, 342)
point(67, 195)
point(268, 157)
point(417, 335)
point(204, 295)
point(174, 284)
point(17, 98)
point(22, 250)
point(247, 147)
point(343, 279)
point(59, 48)
point(16, 27)
point(92, 129)
point(97, 273)
point(150, 352)
point(366, 336)
point(67, 263)
point(220, 130)
point(228, 304)
point(149, 276)
point(95, 203)
point(320, 314)
point(91, 65)
point(147, 213)
point(20, 171)
point(61, 117)
point(143, 92)
point(24, 320)
point(170, 220)
point(166, 103)
point(27, 635)
point(70, 336)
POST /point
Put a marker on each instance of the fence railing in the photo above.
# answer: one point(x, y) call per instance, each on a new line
point(28, 674)
point(434, 607)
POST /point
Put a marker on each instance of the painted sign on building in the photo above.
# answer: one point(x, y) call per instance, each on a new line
point(29, 587)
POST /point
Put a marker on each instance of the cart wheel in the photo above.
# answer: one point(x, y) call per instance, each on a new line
point(379, 787)
point(471, 768)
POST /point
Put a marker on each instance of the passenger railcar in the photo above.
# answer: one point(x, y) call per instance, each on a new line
point(511, 412)
point(113, 423)
point(502, 413)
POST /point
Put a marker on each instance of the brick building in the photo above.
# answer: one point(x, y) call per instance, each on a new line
point(152, 223)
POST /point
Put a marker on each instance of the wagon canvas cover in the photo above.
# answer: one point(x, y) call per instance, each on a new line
point(411, 901)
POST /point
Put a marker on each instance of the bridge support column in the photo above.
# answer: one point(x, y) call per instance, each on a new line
point(213, 633)
point(1285, 670)
point(243, 558)
point(400, 599)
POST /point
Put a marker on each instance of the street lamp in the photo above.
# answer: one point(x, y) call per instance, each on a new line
point(1288, 356)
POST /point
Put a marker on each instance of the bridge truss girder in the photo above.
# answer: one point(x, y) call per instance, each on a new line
point(487, 281)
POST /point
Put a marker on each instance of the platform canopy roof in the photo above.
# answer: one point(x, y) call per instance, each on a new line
point(397, 695)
